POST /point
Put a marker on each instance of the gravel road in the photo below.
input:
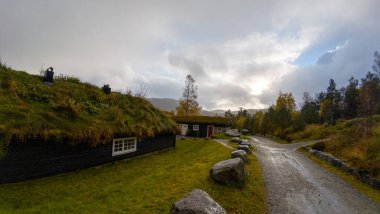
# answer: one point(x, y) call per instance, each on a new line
point(295, 184)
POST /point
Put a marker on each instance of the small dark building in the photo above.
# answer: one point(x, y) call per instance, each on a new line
point(37, 158)
point(201, 126)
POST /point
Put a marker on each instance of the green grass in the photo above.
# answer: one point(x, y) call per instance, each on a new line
point(147, 184)
point(361, 187)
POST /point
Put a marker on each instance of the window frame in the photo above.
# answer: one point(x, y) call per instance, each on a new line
point(195, 127)
point(125, 145)
point(218, 130)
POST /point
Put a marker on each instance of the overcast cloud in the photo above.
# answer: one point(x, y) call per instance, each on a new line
point(241, 53)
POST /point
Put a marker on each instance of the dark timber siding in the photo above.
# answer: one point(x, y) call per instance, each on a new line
point(37, 159)
point(203, 129)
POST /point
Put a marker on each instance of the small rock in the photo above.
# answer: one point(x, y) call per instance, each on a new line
point(244, 143)
point(228, 171)
point(240, 154)
point(376, 183)
point(312, 151)
point(244, 147)
point(197, 202)
point(233, 133)
point(345, 168)
point(236, 139)
point(336, 162)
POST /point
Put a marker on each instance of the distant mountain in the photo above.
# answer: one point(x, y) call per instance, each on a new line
point(164, 104)
point(169, 104)
point(218, 112)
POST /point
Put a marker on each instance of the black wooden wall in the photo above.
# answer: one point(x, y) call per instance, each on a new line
point(35, 158)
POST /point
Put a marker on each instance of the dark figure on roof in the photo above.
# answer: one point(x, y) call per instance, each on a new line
point(49, 74)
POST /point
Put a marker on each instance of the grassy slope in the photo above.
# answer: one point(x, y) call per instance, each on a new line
point(148, 184)
point(363, 188)
point(71, 109)
point(348, 141)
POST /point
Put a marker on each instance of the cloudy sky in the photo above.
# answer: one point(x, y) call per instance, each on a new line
point(241, 53)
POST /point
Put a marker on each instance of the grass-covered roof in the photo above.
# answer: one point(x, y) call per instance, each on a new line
point(72, 110)
point(201, 120)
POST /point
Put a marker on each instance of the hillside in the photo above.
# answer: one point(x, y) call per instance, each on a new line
point(72, 110)
point(348, 141)
point(169, 104)
point(164, 104)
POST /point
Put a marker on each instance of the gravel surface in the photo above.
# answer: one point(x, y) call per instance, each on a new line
point(295, 184)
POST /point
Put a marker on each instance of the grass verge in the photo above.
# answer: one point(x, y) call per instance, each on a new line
point(361, 187)
point(147, 184)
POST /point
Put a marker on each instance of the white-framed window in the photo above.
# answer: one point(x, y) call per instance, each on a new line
point(195, 127)
point(218, 129)
point(124, 145)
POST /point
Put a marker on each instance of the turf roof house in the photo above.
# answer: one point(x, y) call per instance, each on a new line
point(47, 129)
point(202, 126)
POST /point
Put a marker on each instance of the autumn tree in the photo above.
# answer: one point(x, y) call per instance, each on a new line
point(369, 94)
point(267, 124)
point(284, 110)
point(330, 103)
point(188, 104)
point(257, 121)
point(309, 110)
point(350, 100)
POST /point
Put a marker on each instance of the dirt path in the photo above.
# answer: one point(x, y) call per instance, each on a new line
point(295, 184)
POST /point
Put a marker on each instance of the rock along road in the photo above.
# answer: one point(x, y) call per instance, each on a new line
point(295, 184)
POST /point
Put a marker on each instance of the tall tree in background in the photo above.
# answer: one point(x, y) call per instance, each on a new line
point(369, 97)
point(330, 105)
point(257, 122)
point(376, 63)
point(284, 110)
point(188, 104)
point(309, 111)
point(351, 99)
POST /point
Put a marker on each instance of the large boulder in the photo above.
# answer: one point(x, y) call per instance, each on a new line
point(232, 133)
point(229, 171)
point(197, 202)
point(244, 147)
point(240, 154)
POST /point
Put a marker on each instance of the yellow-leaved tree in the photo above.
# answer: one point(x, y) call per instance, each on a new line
point(188, 104)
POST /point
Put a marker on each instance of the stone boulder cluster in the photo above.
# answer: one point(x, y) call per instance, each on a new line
point(233, 133)
point(362, 175)
point(228, 172)
point(231, 172)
